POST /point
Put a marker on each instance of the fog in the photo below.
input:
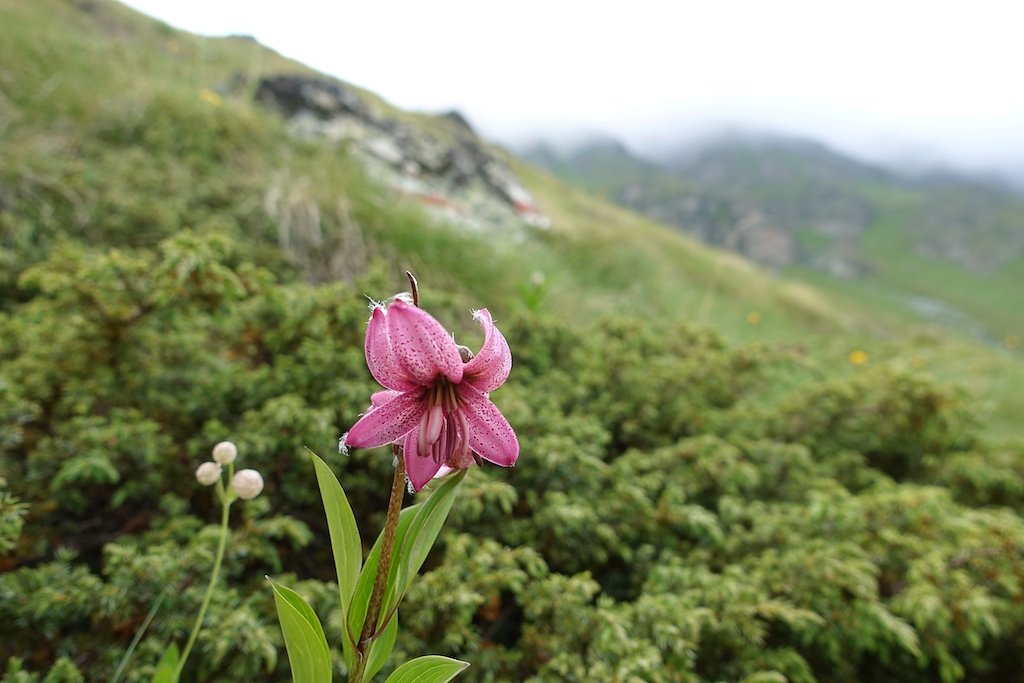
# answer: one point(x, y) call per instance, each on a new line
point(919, 83)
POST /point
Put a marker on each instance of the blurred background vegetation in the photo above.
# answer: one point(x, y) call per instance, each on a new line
point(725, 474)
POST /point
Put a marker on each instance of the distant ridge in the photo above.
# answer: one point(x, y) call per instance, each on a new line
point(787, 201)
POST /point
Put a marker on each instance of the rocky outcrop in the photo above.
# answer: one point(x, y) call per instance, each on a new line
point(454, 176)
point(718, 221)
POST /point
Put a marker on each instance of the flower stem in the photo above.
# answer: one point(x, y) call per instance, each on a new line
point(383, 568)
point(387, 545)
point(226, 498)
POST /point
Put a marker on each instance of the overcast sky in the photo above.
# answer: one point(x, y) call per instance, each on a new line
point(929, 81)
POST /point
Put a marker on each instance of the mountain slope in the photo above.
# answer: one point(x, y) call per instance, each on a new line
point(94, 125)
point(94, 119)
point(724, 474)
point(791, 203)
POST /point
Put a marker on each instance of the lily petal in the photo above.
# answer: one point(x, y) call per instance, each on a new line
point(419, 468)
point(489, 369)
point(491, 436)
point(388, 421)
point(421, 345)
point(380, 356)
point(379, 398)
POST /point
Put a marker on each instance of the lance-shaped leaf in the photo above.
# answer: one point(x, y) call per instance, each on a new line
point(381, 648)
point(429, 669)
point(308, 654)
point(418, 527)
point(364, 585)
point(341, 523)
point(167, 669)
point(419, 539)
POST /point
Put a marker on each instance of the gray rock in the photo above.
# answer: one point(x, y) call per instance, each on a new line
point(461, 181)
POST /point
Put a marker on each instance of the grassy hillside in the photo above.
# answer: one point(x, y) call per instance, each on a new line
point(725, 475)
point(953, 239)
point(911, 303)
point(94, 120)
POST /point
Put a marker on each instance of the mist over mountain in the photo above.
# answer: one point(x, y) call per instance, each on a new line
point(785, 201)
point(675, 148)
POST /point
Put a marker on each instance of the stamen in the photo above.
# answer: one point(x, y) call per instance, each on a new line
point(435, 419)
point(437, 451)
point(453, 454)
point(463, 428)
point(422, 447)
point(451, 436)
point(459, 456)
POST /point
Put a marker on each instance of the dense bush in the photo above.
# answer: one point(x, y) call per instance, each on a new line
point(666, 522)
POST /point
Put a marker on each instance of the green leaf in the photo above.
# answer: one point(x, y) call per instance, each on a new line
point(429, 669)
point(381, 648)
point(92, 468)
point(765, 677)
point(364, 586)
point(304, 638)
point(348, 551)
point(419, 539)
point(418, 527)
point(167, 669)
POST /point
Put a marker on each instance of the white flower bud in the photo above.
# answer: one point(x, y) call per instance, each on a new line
point(247, 484)
point(225, 452)
point(208, 473)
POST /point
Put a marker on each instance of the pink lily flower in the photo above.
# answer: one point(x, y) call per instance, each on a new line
point(434, 404)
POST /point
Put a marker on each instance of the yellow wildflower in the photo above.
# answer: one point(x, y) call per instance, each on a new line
point(210, 97)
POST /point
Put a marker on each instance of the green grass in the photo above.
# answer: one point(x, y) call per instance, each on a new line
point(993, 299)
point(891, 332)
point(671, 274)
point(94, 103)
point(646, 267)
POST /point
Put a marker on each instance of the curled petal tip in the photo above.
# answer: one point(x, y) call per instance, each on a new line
point(489, 369)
